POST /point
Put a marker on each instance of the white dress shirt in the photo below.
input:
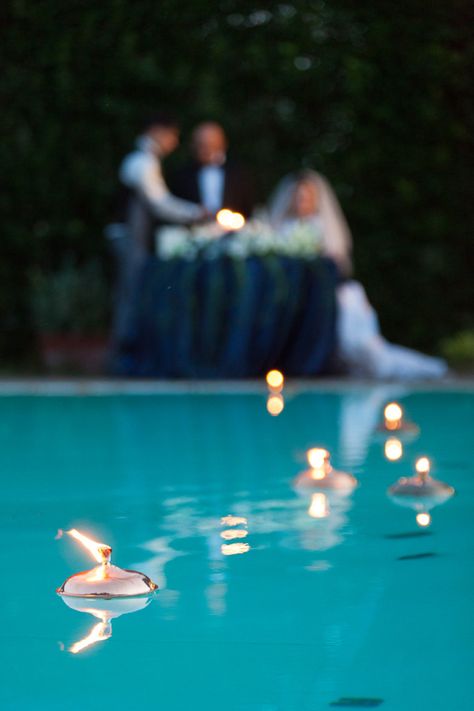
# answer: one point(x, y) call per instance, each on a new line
point(141, 171)
point(211, 187)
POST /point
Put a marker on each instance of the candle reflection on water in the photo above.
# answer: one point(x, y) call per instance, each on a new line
point(393, 449)
point(319, 507)
point(105, 611)
point(423, 519)
point(234, 548)
point(99, 633)
point(275, 404)
point(229, 534)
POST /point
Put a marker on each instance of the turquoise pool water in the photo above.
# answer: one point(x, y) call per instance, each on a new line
point(362, 605)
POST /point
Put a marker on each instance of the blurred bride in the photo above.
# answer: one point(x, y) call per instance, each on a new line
point(307, 202)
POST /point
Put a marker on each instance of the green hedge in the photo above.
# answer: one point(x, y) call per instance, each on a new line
point(376, 95)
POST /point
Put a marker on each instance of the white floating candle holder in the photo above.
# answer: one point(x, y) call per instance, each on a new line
point(421, 492)
point(395, 424)
point(104, 580)
point(321, 476)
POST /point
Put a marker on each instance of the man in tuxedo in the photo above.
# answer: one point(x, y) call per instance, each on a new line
point(210, 179)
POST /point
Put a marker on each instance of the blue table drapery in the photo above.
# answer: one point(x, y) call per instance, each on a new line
point(231, 317)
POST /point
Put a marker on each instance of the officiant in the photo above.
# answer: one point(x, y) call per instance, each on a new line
point(210, 177)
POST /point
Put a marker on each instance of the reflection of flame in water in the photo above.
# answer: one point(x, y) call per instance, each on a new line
point(423, 519)
point(105, 611)
point(275, 404)
point(100, 551)
point(234, 548)
point(393, 449)
point(231, 520)
point(230, 533)
point(99, 633)
point(319, 507)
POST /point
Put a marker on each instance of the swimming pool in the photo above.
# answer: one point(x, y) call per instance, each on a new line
point(361, 605)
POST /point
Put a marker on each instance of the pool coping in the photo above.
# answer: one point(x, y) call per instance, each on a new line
point(110, 386)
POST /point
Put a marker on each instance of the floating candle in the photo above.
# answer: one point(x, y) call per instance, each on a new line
point(105, 580)
point(321, 475)
point(420, 492)
point(394, 422)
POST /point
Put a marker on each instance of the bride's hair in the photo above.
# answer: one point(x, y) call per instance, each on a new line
point(337, 235)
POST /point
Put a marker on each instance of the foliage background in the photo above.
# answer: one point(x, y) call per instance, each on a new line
point(376, 95)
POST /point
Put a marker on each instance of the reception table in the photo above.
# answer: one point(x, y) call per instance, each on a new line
point(229, 317)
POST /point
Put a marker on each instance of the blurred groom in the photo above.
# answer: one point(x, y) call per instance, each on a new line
point(210, 178)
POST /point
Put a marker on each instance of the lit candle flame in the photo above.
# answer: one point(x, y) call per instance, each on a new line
point(100, 551)
point(393, 414)
point(99, 633)
point(423, 466)
point(230, 220)
point(275, 380)
point(318, 459)
point(275, 404)
point(423, 519)
point(319, 507)
point(393, 449)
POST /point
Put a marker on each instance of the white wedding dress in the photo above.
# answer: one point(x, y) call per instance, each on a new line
point(362, 350)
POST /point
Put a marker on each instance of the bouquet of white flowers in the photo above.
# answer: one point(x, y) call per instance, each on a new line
point(257, 238)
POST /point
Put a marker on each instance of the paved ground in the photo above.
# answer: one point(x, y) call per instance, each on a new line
point(105, 386)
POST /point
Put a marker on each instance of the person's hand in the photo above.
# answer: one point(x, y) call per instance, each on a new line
point(206, 216)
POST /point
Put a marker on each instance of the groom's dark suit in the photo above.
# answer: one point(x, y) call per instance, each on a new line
point(237, 192)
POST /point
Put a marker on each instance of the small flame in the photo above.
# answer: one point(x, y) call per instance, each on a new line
point(423, 519)
point(423, 465)
point(100, 551)
point(393, 449)
point(275, 380)
point(319, 507)
point(230, 220)
point(318, 458)
point(99, 633)
point(275, 404)
point(393, 414)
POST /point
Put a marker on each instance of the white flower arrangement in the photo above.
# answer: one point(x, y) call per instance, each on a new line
point(256, 238)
